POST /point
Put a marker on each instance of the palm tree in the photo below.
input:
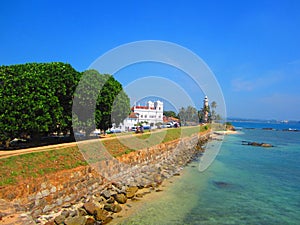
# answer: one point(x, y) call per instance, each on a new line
point(213, 111)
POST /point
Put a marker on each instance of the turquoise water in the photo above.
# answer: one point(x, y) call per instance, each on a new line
point(244, 185)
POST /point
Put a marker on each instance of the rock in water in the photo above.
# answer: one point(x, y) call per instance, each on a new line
point(266, 145)
point(222, 184)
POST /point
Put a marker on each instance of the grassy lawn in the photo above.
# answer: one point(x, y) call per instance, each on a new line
point(16, 168)
point(121, 145)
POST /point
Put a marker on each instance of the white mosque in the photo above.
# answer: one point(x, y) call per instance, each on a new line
point(150, 114)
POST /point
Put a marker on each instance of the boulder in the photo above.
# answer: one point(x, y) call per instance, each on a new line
point(157, 178)
point(106, 194)
point(222, 184)
point(116, 208)
point(108, 207)
point(82, 212)
point(113, 208)
point(90, 221)
point(77, 220)
point(266, 145)
point(121, 198)
point(65, 213)
point(59, 219)
point(90, 207)
point(107, 220)
point(110, 200)
point(50, 223)
point(130, 191)
point(100, 214)
point(257, 144)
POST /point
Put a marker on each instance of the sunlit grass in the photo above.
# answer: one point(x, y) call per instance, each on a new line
point(32, 165)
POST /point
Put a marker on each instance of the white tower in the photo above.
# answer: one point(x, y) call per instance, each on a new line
point(205, 102)
point(205, 109)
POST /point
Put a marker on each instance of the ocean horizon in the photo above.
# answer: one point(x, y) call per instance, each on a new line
point(244, 185)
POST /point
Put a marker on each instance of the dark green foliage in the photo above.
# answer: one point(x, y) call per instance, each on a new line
point(36, 99)
point(113, 105)
point(170, 114)
point(99, 102)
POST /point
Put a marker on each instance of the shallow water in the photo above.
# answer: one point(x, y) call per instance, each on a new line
point(244, 185)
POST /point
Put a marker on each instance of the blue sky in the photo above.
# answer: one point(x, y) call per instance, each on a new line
point(252, 47)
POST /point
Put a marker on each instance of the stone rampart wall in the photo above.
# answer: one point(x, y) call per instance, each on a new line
point(139, 168)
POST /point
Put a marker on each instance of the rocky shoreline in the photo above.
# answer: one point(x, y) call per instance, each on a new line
point(147, 170)
point(105, 205)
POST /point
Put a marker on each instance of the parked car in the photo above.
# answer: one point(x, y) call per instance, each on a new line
point(113, 131)
point(78, 134)
point(133, 129)
point(147, 127)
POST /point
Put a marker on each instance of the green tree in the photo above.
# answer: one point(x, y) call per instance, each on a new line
point(182, 116)
point(99, 102)
point(192, 114)
point(113, 105)
point(36, 99)
point(188, 115)
point(213, 110)
point(170, 114)
point(85, 99)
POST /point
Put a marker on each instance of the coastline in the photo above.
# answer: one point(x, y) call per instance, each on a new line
point(144, 174)
point(134, 207)
point(226, 132)
point(131, 208)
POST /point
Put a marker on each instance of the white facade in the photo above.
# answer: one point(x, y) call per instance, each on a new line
point(152, 113)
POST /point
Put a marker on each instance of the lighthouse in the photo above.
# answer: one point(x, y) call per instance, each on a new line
point(205, 110)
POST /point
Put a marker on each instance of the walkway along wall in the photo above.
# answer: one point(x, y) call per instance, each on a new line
point(140, 168)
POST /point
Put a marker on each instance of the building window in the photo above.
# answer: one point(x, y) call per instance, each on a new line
point(141, 116)
point(145, 116)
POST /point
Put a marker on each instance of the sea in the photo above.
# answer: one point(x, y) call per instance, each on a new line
point(244, 184)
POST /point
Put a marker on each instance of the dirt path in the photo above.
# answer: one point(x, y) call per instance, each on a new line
point(9, 153)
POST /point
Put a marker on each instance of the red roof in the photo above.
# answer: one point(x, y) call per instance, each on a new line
point(143, 107)
point(170, 119)
point(132, 115)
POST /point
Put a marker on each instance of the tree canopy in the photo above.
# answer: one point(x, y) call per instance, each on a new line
point(170, 114)
point(99, 102)
point(188, 115)
point(36, 99)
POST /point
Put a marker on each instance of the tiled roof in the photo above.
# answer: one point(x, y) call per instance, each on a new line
point(132, 115)
point(144, 107)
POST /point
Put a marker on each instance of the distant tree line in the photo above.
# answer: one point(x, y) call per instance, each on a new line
point(36, 100)
point(190, 115)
